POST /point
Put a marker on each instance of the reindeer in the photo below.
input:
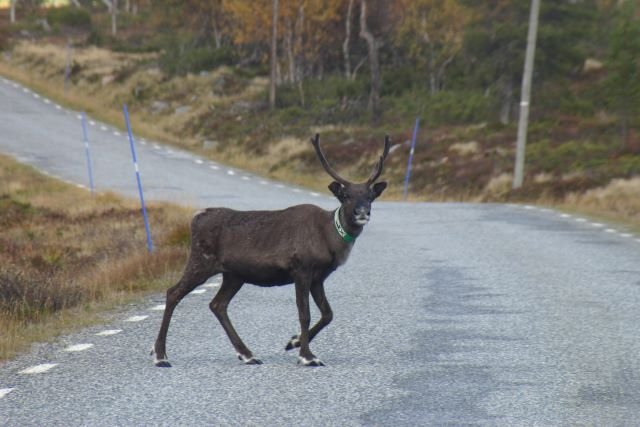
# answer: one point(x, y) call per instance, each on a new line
point(302, 244)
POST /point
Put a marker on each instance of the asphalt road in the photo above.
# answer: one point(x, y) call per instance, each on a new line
point(454, 314)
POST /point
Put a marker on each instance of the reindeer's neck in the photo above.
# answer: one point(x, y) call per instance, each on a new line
point(345, 229)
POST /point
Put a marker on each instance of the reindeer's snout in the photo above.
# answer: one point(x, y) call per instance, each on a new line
point(361, 215)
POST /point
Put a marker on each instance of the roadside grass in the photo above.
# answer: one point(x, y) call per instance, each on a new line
point(66, 257)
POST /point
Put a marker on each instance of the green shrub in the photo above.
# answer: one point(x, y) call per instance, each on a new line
point(68, 16)
point(179, 59)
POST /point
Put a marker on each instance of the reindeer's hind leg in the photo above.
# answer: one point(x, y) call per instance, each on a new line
point(326, 315)
point(229, 288)
point(194, 275)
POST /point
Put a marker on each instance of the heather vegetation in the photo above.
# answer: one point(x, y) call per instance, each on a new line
point(65, 254)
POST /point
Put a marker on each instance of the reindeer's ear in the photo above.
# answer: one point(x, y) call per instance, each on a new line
point(337, 189)
point(378, 188)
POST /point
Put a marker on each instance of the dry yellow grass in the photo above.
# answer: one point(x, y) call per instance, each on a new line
point(65, 256)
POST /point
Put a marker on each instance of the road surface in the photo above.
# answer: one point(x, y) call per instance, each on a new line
point(456, 314)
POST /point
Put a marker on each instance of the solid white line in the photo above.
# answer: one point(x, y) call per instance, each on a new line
point(109, 332)
point(199, 291)
point(5, 391)
point(38, 369)
point(158, 307)
point(136, 318)
point(78, 347)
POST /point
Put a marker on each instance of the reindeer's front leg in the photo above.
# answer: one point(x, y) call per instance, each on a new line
point(326, 315)
point(306, 358)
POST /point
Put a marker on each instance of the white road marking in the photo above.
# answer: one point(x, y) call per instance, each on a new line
point(169, 152)
point(597, 224)
point(15, 85)
point(264, 183)
point(81, 186)
point(214, 167)
point(315, 194)
point(46, 101)
point(79, 116)
point(116, 133)
point(565, 215)
point(38, 369)
point(230, 172)
point(529, 207)
point(581, 220)
point(279, 186)
point(36, 96)
point(5, 391)
point(626, 235)
point(296, 190)
point(611, 230)
point(198, 161)
point(109, 332)
point(157, 147)
point(136, 318)
point(58, 107)
point(199, 291)
point(103, 128)
point(78, 347)
point(25, 90)
point(158, 307)
point(92, 123)
point(143, 142)
point(246, 178)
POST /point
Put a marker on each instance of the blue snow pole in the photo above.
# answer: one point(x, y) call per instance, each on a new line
point(87, 151)
point(413, 147)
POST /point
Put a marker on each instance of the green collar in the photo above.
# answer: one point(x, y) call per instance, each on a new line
point(341, 231)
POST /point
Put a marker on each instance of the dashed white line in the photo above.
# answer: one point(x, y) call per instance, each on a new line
point(230, 172)
point(315, 194)
point(136, 318)
point(214, 167)
point(46, 101)
point(529, 207)
point(58, 107)
point(611, 230)
point(116, 133)
point(627, 235)
point(78, 347)
point(81, 186)
point(109, 332)
point(36, 96)
point(5, 391)
point(103, 128)
point(597, 224)
point(92, 123)
point(279, 186)
point(264, 183)
point(199, 291)
point(25, 90)
point(38, 369)
point(246, 178)
point(157, 147)
point(296, 190)
point(15, 85)
point(581, 220)
point(198, 161)
point(159, 307)
point(79, 116)
point(564, 215)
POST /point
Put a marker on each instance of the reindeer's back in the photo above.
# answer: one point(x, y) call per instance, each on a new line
point(265, 247)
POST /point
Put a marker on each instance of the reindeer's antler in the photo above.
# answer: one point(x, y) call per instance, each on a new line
point(316, 144)
point(377, 170)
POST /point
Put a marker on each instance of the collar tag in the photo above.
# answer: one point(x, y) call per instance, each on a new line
point(341, 231)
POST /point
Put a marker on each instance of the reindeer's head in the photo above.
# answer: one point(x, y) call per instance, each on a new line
point(355, 198)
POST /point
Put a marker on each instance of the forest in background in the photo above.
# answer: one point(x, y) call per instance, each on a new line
point(360, 68)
